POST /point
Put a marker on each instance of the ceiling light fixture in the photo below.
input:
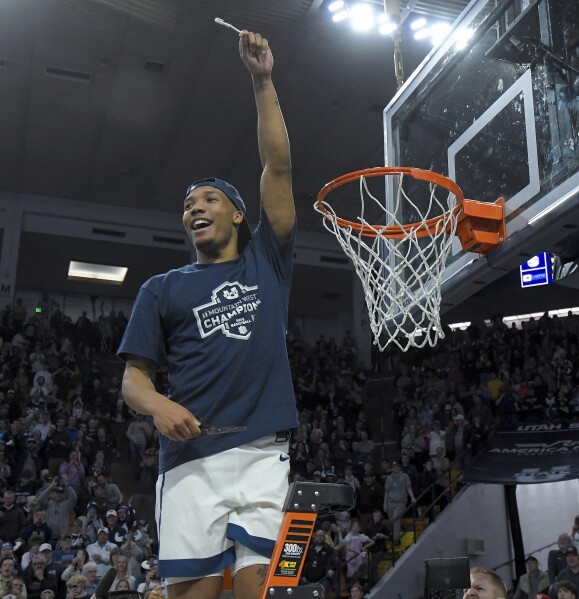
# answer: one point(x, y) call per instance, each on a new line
point(362, 16)
point(462, 38)
point(102, 273)
point(439, 32)
point(340, 16)
point(336, 5)
point(422, 34)
point(418, 24)
point(387, 28)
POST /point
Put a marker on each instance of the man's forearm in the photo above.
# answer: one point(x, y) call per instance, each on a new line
point(139, 392)
point(273, 142)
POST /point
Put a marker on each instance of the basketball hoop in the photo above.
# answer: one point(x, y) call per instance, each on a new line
point(401, 266)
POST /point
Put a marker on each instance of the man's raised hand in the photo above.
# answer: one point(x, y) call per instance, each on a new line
point(255, 53)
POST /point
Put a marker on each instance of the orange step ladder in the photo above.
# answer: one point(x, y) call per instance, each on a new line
point(305, 501)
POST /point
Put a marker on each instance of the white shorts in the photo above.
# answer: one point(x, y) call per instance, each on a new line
point(208, 507)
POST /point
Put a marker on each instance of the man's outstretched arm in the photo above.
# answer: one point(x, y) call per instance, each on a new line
point(274, 148)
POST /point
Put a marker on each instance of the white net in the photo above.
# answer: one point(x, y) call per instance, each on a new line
point(401, 277)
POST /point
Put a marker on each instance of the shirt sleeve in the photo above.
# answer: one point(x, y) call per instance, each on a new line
point(144, 333)
point(279, 253)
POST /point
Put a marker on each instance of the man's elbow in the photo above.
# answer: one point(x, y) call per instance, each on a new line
point(280, 166)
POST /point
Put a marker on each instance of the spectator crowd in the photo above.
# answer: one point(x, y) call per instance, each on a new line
point(64, 521)
point(63, 424)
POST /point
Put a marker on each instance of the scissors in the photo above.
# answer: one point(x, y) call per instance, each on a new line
point(209, 429)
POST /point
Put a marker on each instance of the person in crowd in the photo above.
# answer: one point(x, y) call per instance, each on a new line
point(411, 471)
point(350, 478)
point(123, 573)
point(6, 473)
point(121, 585)
point(76, 587)
point(117, 532)
point(76, 565)
point(78, 540)
point(26, 489)
point(38, 528)
point(100, 550)
point(356, 591)
point(7, 550)
point(566, 590)
point(33, 546)
point(134, 550)
point(6, 575)
point(45, 549)
point(92, 522)
point(19, 588)
point(125, 516)
point(485, 584)
point(98, 465)
point(532, 583)
point(369, 498)
point(38, 579)
point(63, 553)
point(139, 433)
point(321, 564)
point(398, 489)
point(151, 578)
point(462, 439)
point(436, 437)
point(556, 559)
point(59, 445)
point(480, 409)
point(58, 499)
point(113, 557)
point(73, 470)
point(379, 532)
point(571, 572)
point(89, 571)
point(119, 427)
point(12, 517)
point(355, 543)
point(97, 498)
point(442, 466)
point(113, 494)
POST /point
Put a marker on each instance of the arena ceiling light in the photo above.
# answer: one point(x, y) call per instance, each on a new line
point(101, 273)
point(367, 16)
point(437, 32)
point(363, 16)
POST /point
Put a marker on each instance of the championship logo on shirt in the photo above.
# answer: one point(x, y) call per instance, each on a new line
point(231, 310)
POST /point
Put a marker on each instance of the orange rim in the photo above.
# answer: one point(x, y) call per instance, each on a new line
point(421, 229)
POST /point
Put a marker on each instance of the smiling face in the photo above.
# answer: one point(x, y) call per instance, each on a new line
point(210, 219)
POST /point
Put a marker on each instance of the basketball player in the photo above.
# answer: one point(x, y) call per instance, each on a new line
point(219, 325)
point(485, 584)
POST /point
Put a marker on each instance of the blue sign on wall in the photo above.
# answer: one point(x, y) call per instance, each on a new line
point(537, 271)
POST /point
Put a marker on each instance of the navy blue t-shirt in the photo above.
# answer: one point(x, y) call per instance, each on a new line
point(221, 330)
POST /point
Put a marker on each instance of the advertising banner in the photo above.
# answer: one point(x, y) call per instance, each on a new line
point(533, 453)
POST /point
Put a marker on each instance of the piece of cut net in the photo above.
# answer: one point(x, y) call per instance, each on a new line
point(401, 277)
